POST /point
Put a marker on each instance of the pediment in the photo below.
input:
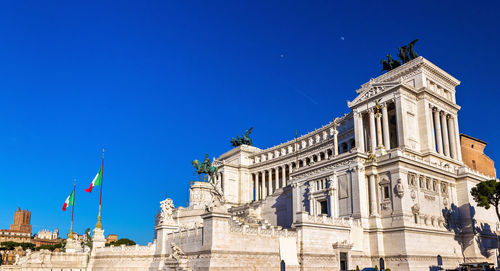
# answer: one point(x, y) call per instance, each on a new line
point(372, 89)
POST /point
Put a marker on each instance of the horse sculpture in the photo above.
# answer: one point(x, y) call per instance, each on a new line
point(205, 168)
point(390, 63)
point(406, 54)
point(243, 140)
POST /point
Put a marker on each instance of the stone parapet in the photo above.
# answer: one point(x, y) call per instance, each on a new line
point(346, 222)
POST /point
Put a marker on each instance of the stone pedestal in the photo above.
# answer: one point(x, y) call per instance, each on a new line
point(73, 245)
point(98, 239)
point(203, 195)
point(381, 150)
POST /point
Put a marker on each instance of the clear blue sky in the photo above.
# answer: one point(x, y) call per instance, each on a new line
point(159, 83)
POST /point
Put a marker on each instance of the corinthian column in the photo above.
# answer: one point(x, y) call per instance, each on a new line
point(264, 186)
point(373, 196)
point(385, 122)
point(378, 117)
point(296, 201)
point(437, 125)
point(446, 143)
point(453, 142)
point(335, 142)
point(373, 136)
point(358, 131)
point(277, 178)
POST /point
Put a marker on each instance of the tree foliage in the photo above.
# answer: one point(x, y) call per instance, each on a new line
point(49, 247)
point(10, 245)
point(122, 241)
point(486, 194)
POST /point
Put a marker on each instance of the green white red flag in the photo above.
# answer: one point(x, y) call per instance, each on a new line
point(70, 200)
point(97, 181)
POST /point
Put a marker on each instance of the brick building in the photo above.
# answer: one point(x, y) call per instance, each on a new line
point(474, 157)
point(20, 229)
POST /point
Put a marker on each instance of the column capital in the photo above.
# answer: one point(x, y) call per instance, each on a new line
point(441, 113)
point(434, 109)
point(448, 116)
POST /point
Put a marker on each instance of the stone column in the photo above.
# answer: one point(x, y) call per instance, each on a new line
point(373, 136)
point(332, 196)
point(335, 142)
point(296, 201)
point(276, 176)
point(333, 203)
point(264, 187)
point(385, 120)
point(259, 185)
point(453, 141)
point(283, 175)
point(312, 205)
point(253, 187)
point(358, 131)
point(437, 125)
point(446, 143)
point(378, 117)
point(373, 196)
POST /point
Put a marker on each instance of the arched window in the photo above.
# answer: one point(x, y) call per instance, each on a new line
point(474, 164)
point(282, 266)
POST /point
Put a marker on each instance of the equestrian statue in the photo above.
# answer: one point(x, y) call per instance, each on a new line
point(205, 168)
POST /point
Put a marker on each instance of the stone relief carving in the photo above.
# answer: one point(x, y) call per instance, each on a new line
point(177, 252)
point(413, 194)
point(400, 190)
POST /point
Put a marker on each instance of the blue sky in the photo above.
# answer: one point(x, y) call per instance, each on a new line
point(159, 83)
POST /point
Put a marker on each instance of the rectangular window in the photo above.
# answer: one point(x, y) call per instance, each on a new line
point(343, 261)
point(386, 192)
point(324, 207)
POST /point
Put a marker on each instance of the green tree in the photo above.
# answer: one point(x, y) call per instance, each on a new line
point(487, 193)
point(122, 241)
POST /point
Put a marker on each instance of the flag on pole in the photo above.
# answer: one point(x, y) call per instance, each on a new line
point(97, 181)
point(69, 200)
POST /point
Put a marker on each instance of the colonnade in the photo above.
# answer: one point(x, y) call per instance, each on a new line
point(444, 133)
point(377, 130)
point(264, 184)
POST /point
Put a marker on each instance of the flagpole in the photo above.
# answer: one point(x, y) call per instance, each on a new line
point(70, 236)
point(99, 225)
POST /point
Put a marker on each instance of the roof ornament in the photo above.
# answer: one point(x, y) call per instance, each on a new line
point(406, 54)
point(243, 140)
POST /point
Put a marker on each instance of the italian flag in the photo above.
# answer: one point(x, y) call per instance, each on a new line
point(70, 200)
point(97, 181)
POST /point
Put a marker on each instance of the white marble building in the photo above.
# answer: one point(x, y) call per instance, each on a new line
point(385, 182)
point(48, 235)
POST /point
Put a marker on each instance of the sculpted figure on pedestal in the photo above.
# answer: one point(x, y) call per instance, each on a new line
point(167, 209)
point(177, 252)
point(205, 168)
